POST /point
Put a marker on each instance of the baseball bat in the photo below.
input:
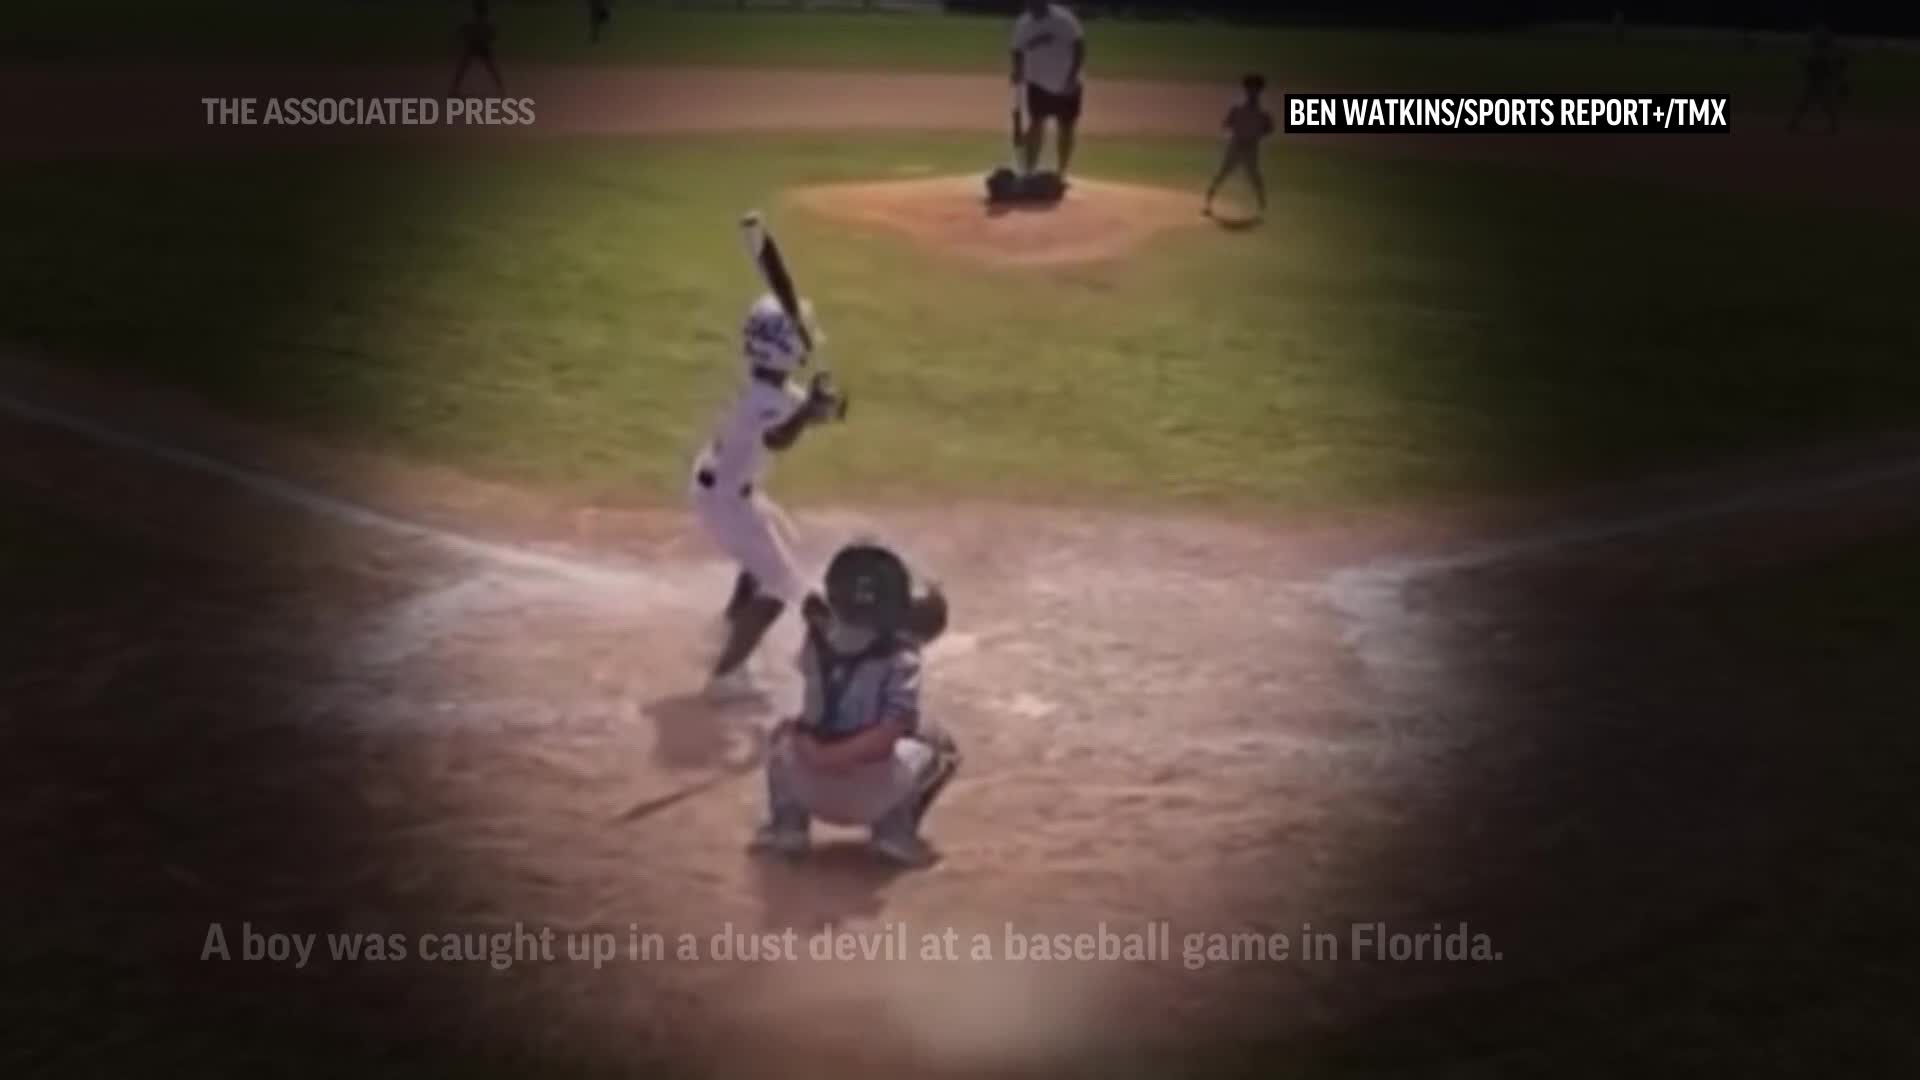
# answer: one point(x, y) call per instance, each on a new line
point(765, 253)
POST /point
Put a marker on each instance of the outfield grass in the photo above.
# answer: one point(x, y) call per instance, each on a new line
point(1764, 77)
point(563, 315)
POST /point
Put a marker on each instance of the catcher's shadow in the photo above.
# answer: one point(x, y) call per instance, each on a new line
point(836, 883)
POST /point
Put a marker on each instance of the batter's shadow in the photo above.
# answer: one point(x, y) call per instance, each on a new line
point(692, 733)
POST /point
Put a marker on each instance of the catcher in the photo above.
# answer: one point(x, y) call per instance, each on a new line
point(476, 44)
point(859, 754)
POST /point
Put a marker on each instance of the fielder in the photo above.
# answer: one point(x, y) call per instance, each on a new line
point(858, 753)
point(476, 43)
point(1825, 74)
point(1246, 124)
point(726, 487)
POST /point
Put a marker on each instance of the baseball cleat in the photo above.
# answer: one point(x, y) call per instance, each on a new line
point(769, 840)
point(735, 685)
point(909, 851)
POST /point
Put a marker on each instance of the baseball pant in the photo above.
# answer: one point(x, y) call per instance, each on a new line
point(745, 527)
point(883, 795)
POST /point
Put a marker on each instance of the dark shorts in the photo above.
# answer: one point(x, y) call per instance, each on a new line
point(1042, 104)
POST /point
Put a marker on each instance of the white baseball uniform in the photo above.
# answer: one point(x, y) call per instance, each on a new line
point(726, 488)
point(1046, 44)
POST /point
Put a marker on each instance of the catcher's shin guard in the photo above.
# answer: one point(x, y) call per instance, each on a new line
point(946, 762)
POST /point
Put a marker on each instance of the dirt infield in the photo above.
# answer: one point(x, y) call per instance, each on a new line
point(1097, 220)
point(136, 110)
point(1214, 726)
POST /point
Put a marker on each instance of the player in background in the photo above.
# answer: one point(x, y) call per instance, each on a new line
point(769, 414)
point(598, 12)
point(1247, 123)
point(476, 43)
point(1825, 69)
point(1049, 50)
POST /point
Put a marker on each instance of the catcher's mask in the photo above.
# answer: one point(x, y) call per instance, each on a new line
point(869, 586)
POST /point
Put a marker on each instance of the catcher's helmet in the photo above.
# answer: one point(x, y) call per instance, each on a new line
point(868, 585)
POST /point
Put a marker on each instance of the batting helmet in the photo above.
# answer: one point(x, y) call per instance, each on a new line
point(770, 339)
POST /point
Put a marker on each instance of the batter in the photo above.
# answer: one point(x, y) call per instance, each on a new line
point(727, 490)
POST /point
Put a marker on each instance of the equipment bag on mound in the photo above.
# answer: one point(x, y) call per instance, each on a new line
point(1043, 187)
point(1004, 185)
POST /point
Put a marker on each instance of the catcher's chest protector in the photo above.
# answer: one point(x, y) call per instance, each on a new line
point(845, 691)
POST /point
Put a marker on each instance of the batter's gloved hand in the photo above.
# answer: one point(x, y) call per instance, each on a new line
point(823, 400)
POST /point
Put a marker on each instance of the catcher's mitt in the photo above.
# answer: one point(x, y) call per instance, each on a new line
point(926, 615)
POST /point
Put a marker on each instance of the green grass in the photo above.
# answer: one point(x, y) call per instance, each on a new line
point(563, 315)
point(1763, 77)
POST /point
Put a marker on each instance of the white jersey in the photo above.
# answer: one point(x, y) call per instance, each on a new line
point(737, 455)
point(1046, 47)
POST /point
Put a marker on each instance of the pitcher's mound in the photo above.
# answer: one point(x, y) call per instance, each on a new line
point(1096, 220)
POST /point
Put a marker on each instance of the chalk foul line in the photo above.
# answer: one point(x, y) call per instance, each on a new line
point(279, 489)
point(1370, 596)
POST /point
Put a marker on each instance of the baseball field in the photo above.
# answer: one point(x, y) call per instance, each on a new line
point(1509, 538)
